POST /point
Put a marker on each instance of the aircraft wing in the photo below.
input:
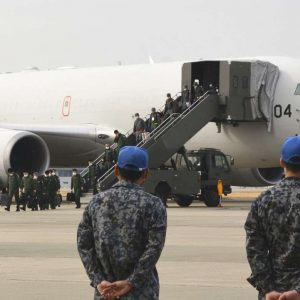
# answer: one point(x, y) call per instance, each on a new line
point(35, 146)
point(89, 132)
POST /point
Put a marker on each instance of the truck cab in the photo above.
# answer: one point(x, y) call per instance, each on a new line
point(213, 166)
point(190, 175)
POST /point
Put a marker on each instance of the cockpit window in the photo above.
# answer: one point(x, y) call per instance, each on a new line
point(297, 91)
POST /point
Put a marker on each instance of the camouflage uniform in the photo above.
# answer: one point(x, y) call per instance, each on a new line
point(92, 176)
point(52, 188)
point(36, 187)
point(13, 184)
point(109, 158)
point(27, 189)
point(57, 197)
point(121, 236)
point(121, 141)
point(273, 238)
point(27, 184)
point(76, 184)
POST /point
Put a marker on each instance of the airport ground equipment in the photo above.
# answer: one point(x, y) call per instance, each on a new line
point(245, 94)
point(191, 175)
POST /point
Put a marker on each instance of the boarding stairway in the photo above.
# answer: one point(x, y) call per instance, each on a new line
point(130, 136)
point(170, 135)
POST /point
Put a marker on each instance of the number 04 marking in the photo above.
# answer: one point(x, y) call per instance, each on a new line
point(279, 112)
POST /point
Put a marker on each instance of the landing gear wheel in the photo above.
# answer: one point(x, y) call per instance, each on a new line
point(163, 191)
point(210, 198)
point(183, 200)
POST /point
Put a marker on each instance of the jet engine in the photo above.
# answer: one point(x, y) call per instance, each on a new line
point(22, 150)
point(256, 177)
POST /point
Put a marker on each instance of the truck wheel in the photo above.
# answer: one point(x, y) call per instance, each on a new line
point(163, 191)
point(210, 198)
point(183, 200)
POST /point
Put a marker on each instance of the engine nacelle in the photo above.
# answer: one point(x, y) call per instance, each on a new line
point(256, 177)
point(22, 150)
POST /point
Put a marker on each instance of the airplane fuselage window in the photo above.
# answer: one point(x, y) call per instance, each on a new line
point(297, 91)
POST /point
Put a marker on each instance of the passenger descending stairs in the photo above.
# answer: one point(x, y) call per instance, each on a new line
point(171, 135)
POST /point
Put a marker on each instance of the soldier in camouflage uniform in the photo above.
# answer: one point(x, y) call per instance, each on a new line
point(52, 190)
point(26, 188)
point(36, 191)
point(122, 234)
point(13, 184)
point(273, 231)
point(109, 157)
point(121, 140)
point(57, 183)
point(76, 185)
point(46, 190)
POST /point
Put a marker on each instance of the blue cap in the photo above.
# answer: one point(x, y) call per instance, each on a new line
point(290, 152)
point(133, 158)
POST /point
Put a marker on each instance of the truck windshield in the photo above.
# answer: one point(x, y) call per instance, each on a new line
point(197, 161)
point(220, 161)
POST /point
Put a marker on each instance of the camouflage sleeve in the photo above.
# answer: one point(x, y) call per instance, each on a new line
point(156, 239)
point(257, 253)
point(87, 251)
point(21, 184)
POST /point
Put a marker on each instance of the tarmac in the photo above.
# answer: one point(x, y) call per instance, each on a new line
point(204, 256)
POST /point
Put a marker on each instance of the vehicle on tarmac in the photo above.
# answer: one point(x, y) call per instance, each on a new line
point(190, 175)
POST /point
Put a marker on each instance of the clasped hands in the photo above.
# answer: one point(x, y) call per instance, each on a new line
point(114, 290)
point(289, 295)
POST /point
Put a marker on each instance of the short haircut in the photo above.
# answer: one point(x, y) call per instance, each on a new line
point(292, 167)
point(168, 95)
point(10, 170)
point(74, 170)
point(116, 131)
point(131, 175)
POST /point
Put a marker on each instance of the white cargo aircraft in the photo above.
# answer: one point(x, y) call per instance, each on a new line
point(64, 117)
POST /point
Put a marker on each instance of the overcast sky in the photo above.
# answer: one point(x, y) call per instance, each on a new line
point(55, 33)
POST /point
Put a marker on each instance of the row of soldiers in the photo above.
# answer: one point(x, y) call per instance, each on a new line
point(35, 192)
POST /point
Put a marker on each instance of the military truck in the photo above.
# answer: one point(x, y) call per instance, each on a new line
point(190, 175)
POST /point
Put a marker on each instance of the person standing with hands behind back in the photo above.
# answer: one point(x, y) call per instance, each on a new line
point(273, 232)
point(122, 234)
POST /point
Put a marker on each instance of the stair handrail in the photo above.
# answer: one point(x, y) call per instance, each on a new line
point(174, 118)
point(163, 127)
point(84, 172)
